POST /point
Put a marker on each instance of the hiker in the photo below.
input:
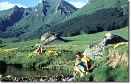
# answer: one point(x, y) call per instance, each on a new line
point(39, 50)
point(81, 64)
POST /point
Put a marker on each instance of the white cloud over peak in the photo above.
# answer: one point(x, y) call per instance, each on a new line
point(8, 5)
point(79, 4)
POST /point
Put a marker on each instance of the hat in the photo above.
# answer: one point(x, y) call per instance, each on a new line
point(78, 53)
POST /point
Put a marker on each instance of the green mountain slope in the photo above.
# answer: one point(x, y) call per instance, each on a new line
point(102, 20)
point(35, 19)
point(8, 18)
point(95, 5)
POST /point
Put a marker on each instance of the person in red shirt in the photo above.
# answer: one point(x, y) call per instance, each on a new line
point(39, 50)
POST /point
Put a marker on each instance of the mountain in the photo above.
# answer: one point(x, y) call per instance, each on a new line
point(25, 22)
point(63, 18)
point(96, 16)
point(94, 5)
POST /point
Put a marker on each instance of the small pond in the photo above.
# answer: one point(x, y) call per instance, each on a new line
point(29, 72)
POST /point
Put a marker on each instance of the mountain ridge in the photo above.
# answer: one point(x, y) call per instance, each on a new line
point(41, 17)
point(46, 16)
point(95, 5)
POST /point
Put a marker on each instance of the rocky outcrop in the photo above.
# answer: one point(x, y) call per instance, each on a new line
point(116, 58)
point(51, 38)
point(95, 50)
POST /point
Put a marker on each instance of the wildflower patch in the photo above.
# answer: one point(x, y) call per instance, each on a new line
point(121, 43)
point(7, 50)
point(52, 52)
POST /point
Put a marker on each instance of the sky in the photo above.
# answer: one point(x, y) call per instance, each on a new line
point(6, 4)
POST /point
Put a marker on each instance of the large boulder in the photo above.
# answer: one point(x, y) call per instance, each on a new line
point(95, 50)
point(51, 38)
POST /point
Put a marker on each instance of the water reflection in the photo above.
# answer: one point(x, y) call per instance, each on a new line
point(28, 72)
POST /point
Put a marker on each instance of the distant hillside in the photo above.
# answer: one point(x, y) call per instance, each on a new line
point(96, 16)
point(102, 20)
point(95, 5)
point(24, 22)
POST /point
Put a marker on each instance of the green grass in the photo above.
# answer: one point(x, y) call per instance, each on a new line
point(74, 40)
point(123, 49)
point(89, 38)
point(101, 73)
point(120, 73)
point(76, 43)
point(19, 44)
point(67, 55)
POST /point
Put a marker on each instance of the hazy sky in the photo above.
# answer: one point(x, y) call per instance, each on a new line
point(6, 4)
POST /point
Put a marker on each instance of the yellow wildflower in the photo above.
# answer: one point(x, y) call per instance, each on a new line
point(118, 44)
point(30, 54)
point(52, 52)
point(7, 50)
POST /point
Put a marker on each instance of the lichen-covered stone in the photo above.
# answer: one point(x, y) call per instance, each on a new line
point(95, 50)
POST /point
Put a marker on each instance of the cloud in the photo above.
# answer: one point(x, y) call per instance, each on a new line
point(40, 1)
point(8, 5)
point(79, 4)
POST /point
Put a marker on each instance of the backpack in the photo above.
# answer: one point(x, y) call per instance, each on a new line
point(86, 58)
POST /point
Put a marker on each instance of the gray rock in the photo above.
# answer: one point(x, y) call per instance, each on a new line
point(95, 50)
point(51, 38)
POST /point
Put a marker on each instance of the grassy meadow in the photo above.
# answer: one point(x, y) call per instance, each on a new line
point(58, 55)
point(76, 43)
